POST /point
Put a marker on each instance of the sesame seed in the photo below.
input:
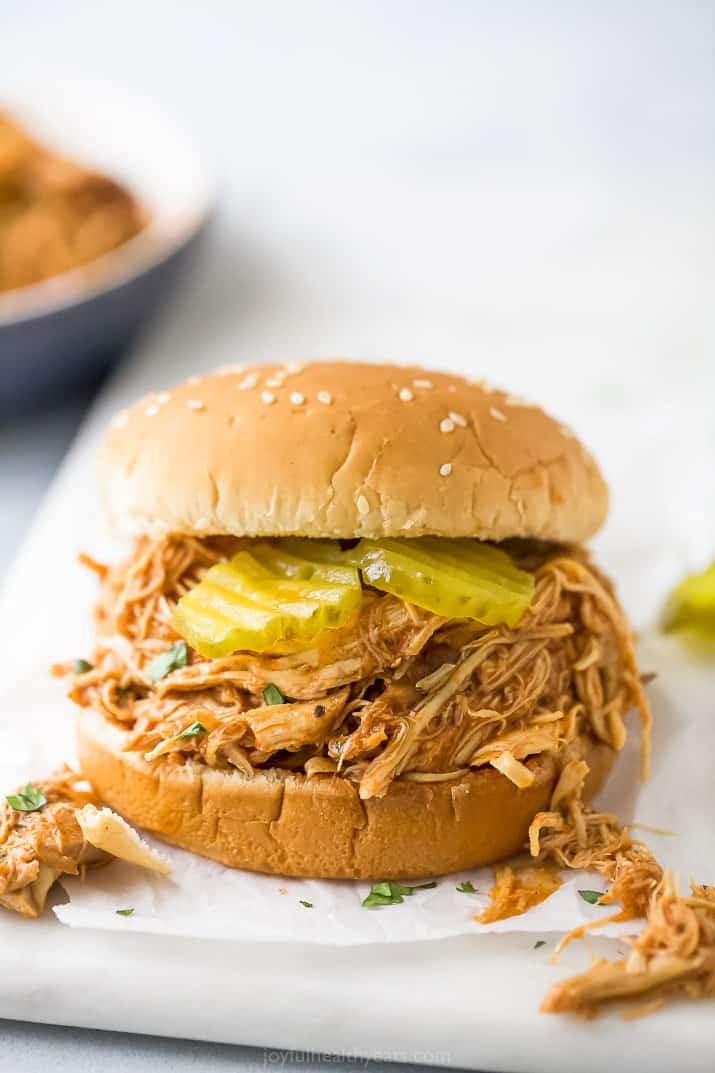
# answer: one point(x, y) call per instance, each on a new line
point(497, 414)
point(406, 395)
point(296, 398)
point(151, 410)
point(446, 425)
point(268, 397)
point(196, 404)
point(120, 419)
point(292, 367)
point(163, 397)
point(445, 469)
point(422, 383)
point(458, 419)
point(363, 505)
point(325, 397)
point(248, 381)
point(517, 400)
point(274, 381)
point(202, 523)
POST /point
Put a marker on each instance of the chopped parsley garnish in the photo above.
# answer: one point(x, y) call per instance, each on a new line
point(81, 666)
point(308, 905)
point(467, 887)
point(124, 912)
point(591, 896)
point(192, 732)
point(273, 695)
point(388, 893)
point(174, 657)
point(539, 943)
point(28, 800)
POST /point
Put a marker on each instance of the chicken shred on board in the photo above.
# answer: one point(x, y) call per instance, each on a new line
point(68, 831)
point(36, 847)
point(516, 890)
point(674, 955)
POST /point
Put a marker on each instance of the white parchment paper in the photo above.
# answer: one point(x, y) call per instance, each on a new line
point(654, 538)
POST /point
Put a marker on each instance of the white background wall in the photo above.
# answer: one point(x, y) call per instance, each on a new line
point(522, 189)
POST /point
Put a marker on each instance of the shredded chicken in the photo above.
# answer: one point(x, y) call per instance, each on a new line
point(516, 890)
point(61, 837)
point(596, 841)
point(55, 214)
point(673, 955)
point(37, 847)
point(405, 693)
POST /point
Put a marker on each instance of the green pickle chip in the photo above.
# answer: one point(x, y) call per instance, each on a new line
point(264, 596)
point(691, 606)
point(293, 589)
point(453, 578)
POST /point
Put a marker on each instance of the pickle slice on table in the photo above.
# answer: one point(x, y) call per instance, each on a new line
point(455, 578)
point(691, 605)
point(264, 596)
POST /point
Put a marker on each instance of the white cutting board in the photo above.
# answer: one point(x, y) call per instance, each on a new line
point(468, 1001)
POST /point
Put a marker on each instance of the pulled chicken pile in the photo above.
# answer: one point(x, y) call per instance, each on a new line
point(61, 831)
point(398, 693)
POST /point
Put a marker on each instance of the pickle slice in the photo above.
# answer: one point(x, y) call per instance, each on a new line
point(262, 597)
point(691, 605)
point(292, 589)
point(453, 578)
point(321, 560)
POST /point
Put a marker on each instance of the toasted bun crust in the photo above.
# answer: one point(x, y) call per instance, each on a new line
point(290, 825)
point(335, 449)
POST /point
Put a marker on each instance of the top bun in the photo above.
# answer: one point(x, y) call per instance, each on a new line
point(340, 449)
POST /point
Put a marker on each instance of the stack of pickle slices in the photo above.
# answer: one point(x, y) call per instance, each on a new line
point(290, 590)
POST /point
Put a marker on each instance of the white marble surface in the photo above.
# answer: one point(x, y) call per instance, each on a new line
point(33, 1047)
point(525, 189)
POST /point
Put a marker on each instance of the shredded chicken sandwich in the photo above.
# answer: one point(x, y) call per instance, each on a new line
point(358, 635)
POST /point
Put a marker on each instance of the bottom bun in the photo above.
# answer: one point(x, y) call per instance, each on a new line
point(287, 824)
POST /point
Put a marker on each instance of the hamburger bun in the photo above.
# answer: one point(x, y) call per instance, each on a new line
point(289, 824)
point(334, 449)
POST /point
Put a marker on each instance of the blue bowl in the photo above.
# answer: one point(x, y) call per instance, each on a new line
point(55, 352)
point(68, 330)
